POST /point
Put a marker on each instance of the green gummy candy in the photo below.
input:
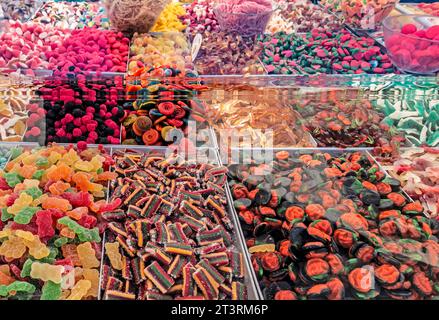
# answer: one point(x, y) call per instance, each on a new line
point(38, 174)
point(83, 234)
point(17, 286)
point(42, 162)
point(6, 215)
point(35, 192)
point(51, 291)
point(100, 170)
point(25, 271)
point(12, 179)
point(25, 215)
point(16, 152)
point(61, 241)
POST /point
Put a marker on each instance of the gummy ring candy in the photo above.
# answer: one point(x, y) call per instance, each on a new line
point(166, 108)
point(175, 122)
point(165, 131)
point(179, 112)
point(141, 125)
point(150, 137)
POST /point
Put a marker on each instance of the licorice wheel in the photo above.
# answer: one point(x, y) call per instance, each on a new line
point(150, 137)
point(141, 125)
point(179, 112)
point(166, 108)
point(175, 122)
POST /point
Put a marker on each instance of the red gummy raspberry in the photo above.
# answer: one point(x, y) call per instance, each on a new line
point(408, 28)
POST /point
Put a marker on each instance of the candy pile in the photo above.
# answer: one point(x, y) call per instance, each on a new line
point(222, 53)
point(169, 19)
point(366, 15)
point(414, 50)
point(155, 50)
point(21, 10)
point(430, 8)
point(14, 107)
point(302, 16)
point(163, 112)
point(418, 171)
point(26, 46)
point(331, 5)
point(322, 51)
point(200, 17)
point(76, 15)
point(172, 237)
point(348, 123)
point(417, 118)
point(320, 226)
point(134, 16)
point(257, 121)
point(245, 17)
point(50, 242)
point(80, 110)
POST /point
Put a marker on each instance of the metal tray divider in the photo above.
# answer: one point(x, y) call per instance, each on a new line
point(254, 286)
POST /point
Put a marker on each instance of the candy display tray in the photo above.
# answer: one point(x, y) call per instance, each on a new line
point(267, 153)
point(212, 158)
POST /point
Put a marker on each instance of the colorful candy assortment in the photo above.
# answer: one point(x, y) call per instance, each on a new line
point(169, 19)
point(25, 46)
point(322, 226)
point(200, 17)
point(79, 110)
point(418, 171)
point(161, 49)
point(366, 15)
point(164, 113)
point(50, 200)
point(172, 237)
point(75, 15)
point(21, 10)
point(346, 123)
point(322, 51)
point(221, 53)
point(418, 119)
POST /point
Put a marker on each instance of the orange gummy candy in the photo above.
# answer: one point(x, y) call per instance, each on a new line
point(56, 203)
point(60, 172)
point(59, 187)
point(77, 213)
point(5, 279)
point(69, 251)
point(27, 171)
point(66, 232)
point(83, 183)
point(107, 175)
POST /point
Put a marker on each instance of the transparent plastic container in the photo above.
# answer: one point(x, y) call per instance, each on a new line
point(409, 52)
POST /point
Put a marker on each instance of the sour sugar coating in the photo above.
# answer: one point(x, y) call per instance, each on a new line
point(172, 236)
point(52, 226)
point(333, 226)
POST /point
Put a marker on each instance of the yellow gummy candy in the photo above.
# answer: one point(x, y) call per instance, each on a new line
point(79, 290)
point(13, 248)
point(25, 235)
point(4, 268)
point(70, 158)
point(92, 275)
point(5, 233)
point(83, 166)
point(46, 272)
point(112, 252)
point(23, 201)
point(54, 157)
point(87, 255)
point(37, 249)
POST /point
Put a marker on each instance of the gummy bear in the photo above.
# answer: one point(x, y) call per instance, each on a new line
point(79, 290)
point(87, 255)
point(25, 235)
point(69, 251)
point(6, 215)
point(70, 157)
point(13, 248)
point(38, 174)
point(46, 272)
point(23, 201)
point(35, 192)
point(25, 270)
point(92, 275)
point(25, 215)
point(59, 187)
point(85, 166)
point(51, 291)
point(17, 286)
point(82, 181)
point(5, 279)
point(112, 252)
point(60, 172)
point(37, 249)
point(27, 171)
point(45, 224)
point(88, 221)
point(61, 241)
point(56, 203)
point(77, 213)
point(66, 232)
point(83, 234)
point(80, 199)
point(54, 157)
point(110, 206)
point(12, 179)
